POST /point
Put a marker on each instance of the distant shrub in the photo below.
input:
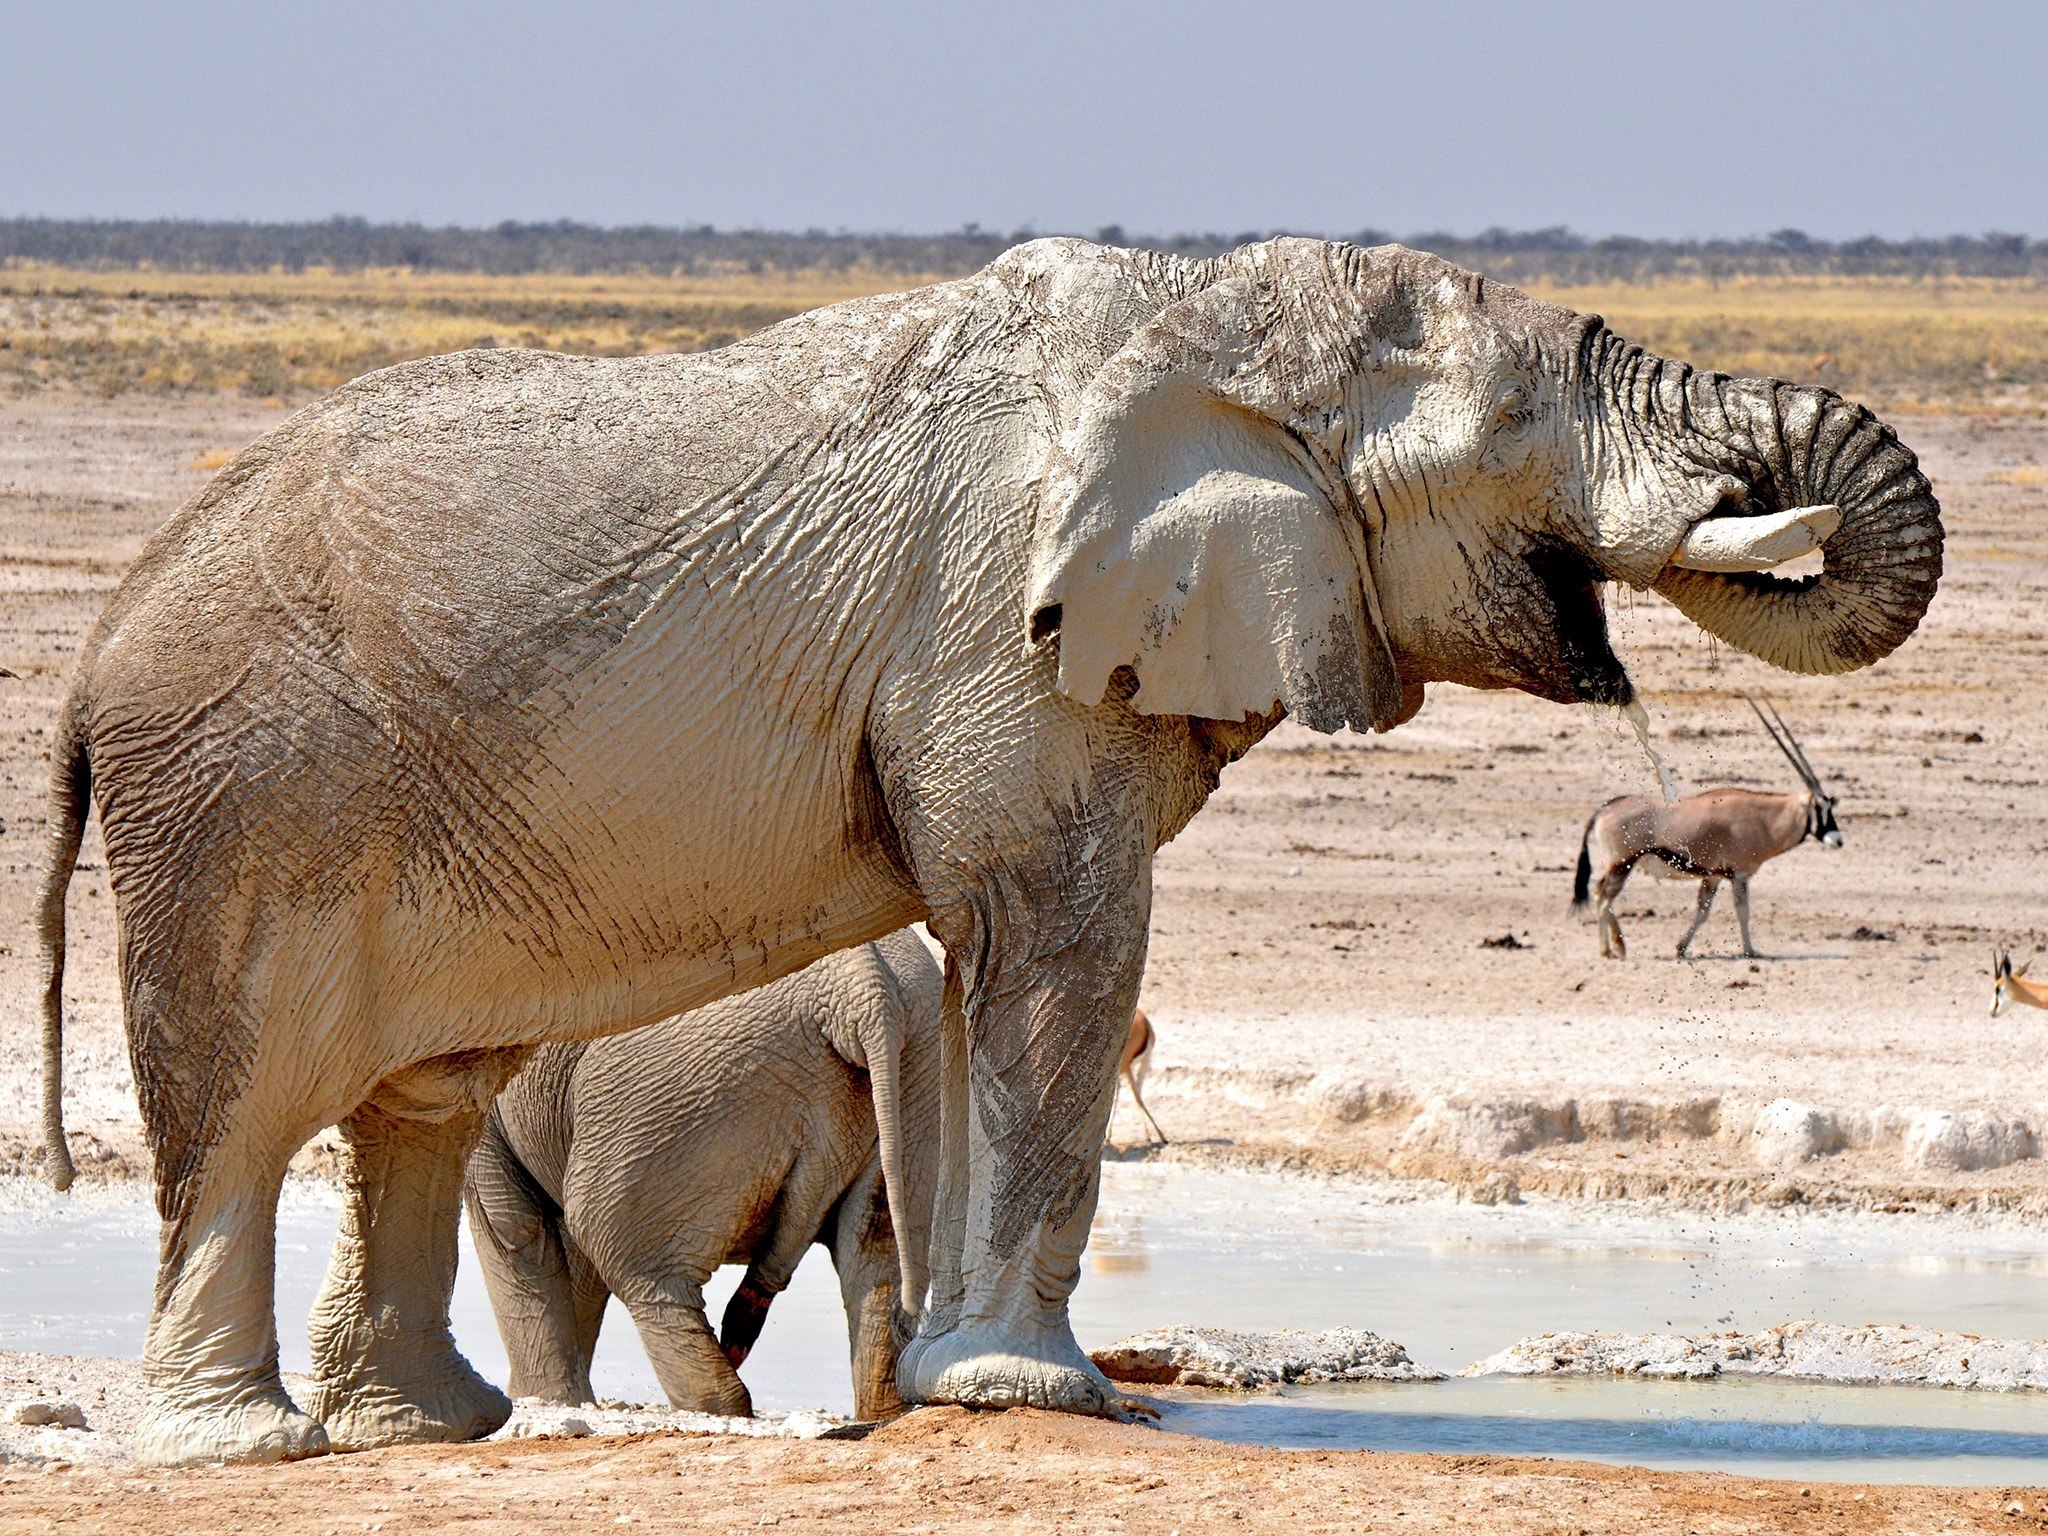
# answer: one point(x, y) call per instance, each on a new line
point(511, 248)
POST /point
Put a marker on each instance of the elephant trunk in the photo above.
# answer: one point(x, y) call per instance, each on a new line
point(1801, 448)
point(881, 1040)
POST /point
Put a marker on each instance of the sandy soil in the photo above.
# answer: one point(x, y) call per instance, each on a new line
point(936, 1469)
point(949, 1469)
point(1328, 913)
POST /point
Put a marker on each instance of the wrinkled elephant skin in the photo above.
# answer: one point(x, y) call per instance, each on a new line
point(741, 1133)
point(504, 698)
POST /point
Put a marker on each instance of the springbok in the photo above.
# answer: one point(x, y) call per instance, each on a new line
point(1136, 1061)
point(2009, 986)
point(1718, 834)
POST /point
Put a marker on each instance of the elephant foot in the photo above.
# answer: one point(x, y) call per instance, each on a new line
point(263, 1428)
point(986, 1366)
point(558, 1390)
point(452, 1403)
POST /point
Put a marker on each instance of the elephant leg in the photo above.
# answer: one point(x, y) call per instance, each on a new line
point(539, 1297)
point(385, 1364)
point(1708, 887)
point(870, 1286)
point(211, 1356)
point(746, 1313)
point(1053, 977)
point(588, 1298)
point(661, 1286)
point(1740, 883)
point(668, 1311)
point(768, 1275)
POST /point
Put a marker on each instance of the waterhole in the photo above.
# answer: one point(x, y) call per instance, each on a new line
point(1453, 1283)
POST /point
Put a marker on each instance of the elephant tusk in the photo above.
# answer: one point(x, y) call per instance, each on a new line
point(1756, 543)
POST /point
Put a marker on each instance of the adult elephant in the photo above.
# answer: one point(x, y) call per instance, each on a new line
point(506, 697)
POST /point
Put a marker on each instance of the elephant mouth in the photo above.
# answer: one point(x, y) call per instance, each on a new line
point(1584, 668)
point(1748, 536)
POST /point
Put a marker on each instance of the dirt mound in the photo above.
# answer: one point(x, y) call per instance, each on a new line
point(1018, 1431)
point(948, 1469)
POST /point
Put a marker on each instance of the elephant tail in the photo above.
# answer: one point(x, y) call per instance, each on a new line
point(70, 801)
point(1582, 879)
point(883, 1043)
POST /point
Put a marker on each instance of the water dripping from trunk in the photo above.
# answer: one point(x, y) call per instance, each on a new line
point(1639, 719)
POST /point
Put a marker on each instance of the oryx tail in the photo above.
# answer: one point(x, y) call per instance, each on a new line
point(1582, 879)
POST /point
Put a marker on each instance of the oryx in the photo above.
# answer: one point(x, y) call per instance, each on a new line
point(2010, 986)
point(1718, 834)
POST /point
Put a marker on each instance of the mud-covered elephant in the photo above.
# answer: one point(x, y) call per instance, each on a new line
point(506, 697)
point(805, 1111)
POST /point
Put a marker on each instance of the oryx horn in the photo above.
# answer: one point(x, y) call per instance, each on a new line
point(1805, 765)
point(1779, 739)
point(1787, 743)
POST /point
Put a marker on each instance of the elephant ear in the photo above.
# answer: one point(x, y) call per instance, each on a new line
point(1187, 532)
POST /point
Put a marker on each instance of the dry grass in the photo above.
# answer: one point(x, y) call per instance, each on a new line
point(1933, 342)
point(292, 334)
point(1947, 342)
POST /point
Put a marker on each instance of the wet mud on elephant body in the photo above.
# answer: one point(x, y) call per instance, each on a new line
point(504, 698)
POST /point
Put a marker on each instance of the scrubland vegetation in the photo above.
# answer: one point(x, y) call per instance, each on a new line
point(510, 248)
point(286, 311)
point(295, 333)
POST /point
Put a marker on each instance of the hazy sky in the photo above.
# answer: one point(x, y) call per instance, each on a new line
point(1841, 117)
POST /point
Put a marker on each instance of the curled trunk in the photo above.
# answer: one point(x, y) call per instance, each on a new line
point(1801, 447)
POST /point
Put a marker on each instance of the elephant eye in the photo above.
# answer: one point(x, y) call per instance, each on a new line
point(1515, 409)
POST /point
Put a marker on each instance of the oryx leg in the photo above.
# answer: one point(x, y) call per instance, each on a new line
point(1708, 887)
point(1741, 885)
point(1605, 893)
point(1612, 945)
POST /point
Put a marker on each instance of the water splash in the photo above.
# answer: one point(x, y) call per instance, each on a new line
point(1639, 718)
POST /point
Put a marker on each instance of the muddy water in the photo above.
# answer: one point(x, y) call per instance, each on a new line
point(1639, 721)
point(1453, 1283)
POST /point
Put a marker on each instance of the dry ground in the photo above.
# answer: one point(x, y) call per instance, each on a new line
point(949, 1469)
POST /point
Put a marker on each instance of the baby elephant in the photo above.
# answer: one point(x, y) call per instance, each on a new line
point(804, 1112)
